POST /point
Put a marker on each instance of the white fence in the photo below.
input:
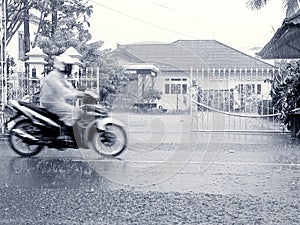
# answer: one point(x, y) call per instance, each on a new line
point(226, 100)
point(17, 85)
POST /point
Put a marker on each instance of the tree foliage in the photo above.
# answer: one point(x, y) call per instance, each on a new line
point(291, 6)
point(62, 24)
point(151, 95)
point(113, 79)
point(112, 76)
point(14, 17)
point(285, 90)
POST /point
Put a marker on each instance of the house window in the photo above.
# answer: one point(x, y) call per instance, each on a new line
point(249, 89)
point(178, 88)
point(175, 88)
point(167, 88)
point(184, 89)
point(21, 45)
point(33, 73)
point(259, 89)
point(143, 86)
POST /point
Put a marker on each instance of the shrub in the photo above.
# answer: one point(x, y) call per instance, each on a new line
point(285, 91)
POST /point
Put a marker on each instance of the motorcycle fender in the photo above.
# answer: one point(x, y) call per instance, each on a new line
point(10, 124)
point(101, 123)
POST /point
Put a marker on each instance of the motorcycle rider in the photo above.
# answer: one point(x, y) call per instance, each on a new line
point(56, 92)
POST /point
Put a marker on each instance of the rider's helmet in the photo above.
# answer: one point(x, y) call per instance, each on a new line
point(64, 63)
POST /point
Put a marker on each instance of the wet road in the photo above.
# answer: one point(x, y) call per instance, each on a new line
point(171, 176)
point(234, 169)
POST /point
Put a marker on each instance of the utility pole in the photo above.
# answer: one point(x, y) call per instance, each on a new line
point(26, 27)
point(3, 52)
point(177, 93)
point(54, 16)
point(3, 69)
point(26, 39)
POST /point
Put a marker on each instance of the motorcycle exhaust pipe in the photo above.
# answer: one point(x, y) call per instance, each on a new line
point(24, 135)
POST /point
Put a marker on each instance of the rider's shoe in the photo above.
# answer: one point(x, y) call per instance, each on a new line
point(65, 133)
point(62, 137)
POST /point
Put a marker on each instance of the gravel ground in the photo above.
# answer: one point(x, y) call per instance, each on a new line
point(92, 206)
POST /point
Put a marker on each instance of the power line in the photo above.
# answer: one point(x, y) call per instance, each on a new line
point(224, 26)
point(141, 20)
point(179, 11)
point(206, 11)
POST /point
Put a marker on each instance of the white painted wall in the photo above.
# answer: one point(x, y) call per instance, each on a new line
point(12, 48)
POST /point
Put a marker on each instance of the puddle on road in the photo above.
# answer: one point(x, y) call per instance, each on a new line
point(52, 173)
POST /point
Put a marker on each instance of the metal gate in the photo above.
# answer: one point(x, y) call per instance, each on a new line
point(235, 100)
point(16, 85)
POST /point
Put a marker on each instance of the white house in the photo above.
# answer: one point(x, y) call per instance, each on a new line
point(218, 70)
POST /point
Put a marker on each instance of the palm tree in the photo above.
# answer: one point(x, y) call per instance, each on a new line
point(291, 6)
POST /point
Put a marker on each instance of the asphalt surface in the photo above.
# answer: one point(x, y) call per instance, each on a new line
point(168, 175)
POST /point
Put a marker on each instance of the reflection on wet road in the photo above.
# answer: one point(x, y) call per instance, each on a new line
point(167, 175)
point(50, 173)
point(214, 179)
point(247, 169)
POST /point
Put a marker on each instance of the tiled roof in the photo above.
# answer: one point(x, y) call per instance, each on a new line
point(184, 54)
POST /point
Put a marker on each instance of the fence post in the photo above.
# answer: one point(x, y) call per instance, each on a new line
point(98, 81)
point(191, 94)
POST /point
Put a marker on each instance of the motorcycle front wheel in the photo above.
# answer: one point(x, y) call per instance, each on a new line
point(111, 142)
point(20, 143)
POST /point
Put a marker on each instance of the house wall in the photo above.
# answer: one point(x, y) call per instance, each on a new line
point(236, 76)
point(15, 45)
point(243, 82)
point(173, 99)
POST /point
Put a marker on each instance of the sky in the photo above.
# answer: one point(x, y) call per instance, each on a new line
point(227, 21)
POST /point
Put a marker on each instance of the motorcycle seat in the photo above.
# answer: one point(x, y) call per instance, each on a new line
point(41, 110)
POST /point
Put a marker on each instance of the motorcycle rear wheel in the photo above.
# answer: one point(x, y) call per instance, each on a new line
point(111, 142)
point(21, 145)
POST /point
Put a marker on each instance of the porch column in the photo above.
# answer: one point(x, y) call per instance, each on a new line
point(146, 74)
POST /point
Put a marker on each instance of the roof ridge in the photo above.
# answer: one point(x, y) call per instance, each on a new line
point(135, 44)
point(193, 40)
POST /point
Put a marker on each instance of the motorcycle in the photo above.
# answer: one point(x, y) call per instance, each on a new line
point(32, 127)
